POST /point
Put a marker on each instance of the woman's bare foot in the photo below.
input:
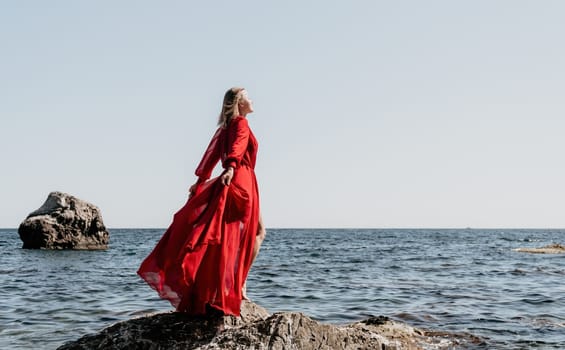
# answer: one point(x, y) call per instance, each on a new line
point(244, 292)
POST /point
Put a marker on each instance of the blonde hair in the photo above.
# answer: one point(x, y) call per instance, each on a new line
point(230, 107)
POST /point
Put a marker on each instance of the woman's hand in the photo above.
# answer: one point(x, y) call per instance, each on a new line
point(227, 176)
point(192, 189)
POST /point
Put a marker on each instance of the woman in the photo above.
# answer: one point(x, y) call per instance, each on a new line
point(203, 259)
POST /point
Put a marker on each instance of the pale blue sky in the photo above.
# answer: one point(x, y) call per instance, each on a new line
point(368, 113)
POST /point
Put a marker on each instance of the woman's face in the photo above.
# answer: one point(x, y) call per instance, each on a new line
point(245, 104)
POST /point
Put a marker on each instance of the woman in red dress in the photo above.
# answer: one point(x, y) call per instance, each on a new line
point(204, 257)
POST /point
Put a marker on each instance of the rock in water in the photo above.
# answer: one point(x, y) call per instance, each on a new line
point(258, 330)
point(64, 222)
point(554, 248)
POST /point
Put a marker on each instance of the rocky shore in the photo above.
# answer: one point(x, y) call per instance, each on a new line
point(257, 329)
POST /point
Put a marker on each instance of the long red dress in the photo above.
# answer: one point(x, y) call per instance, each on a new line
point(206, 253)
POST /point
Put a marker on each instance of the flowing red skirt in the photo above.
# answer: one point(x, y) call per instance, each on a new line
point(206, 253)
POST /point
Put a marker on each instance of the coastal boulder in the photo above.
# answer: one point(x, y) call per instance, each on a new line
point(64, 222)
point(258, 330)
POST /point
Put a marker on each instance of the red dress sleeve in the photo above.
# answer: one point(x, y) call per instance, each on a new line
point(237, 139)
point(210, 157)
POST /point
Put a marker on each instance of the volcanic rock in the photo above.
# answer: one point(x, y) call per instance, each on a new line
point(258, 330)
point(64, 222)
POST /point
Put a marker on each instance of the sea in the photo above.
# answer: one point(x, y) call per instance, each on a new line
point(465, 281)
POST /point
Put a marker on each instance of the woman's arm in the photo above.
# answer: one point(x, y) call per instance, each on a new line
point(208, 162)
point(210, 157)
point(237, 139)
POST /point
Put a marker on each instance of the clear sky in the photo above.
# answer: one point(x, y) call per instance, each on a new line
point(377, 114)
